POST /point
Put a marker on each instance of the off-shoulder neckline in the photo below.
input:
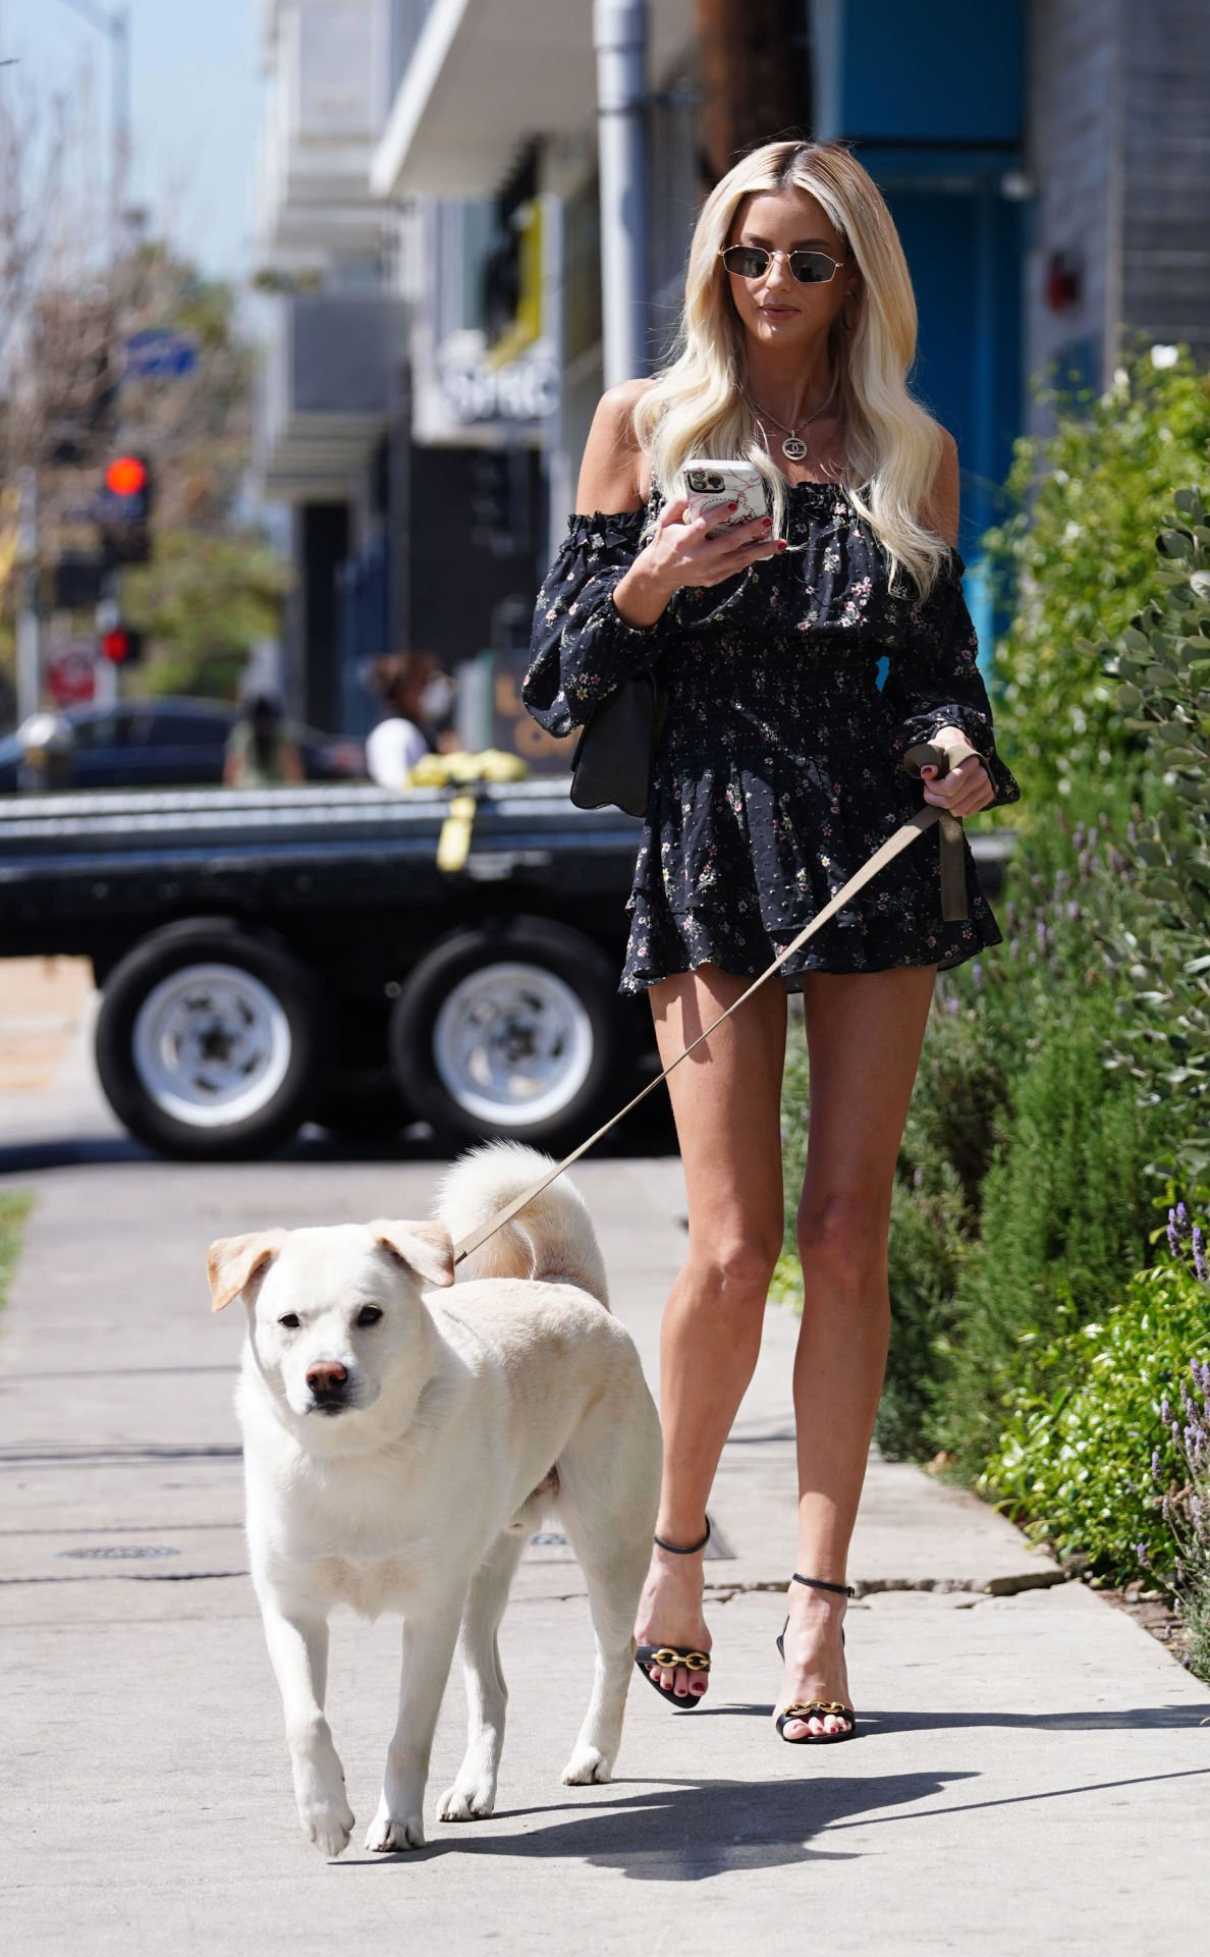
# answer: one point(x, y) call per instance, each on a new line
point(595, 519)
point(617, 516)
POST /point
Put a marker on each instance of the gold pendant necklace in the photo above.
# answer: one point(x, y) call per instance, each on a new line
point(793, 447)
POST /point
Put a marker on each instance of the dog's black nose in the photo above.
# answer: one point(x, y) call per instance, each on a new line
point(328, 1379)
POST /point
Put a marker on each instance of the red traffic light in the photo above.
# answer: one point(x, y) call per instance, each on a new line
point(126, 475)
point(122, 646)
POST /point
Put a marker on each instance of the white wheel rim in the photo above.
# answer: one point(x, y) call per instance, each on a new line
point(513, 1044)
point(211, 1045)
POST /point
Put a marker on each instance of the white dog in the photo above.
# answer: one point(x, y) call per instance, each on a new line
point(402, 1440)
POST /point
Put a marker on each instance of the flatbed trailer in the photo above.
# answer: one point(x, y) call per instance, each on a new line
point(347, 955)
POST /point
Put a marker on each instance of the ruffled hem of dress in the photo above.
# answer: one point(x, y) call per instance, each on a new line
point(663, 945)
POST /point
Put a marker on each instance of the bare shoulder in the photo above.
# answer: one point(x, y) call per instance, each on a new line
point(940, 514)
point(613, 471)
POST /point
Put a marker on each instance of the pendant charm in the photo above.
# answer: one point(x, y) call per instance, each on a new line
point(794, 448)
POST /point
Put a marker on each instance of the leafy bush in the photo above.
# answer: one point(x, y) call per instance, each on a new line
point(1065, 1220)
point(1075, 561)
point(1086, 1446)
point(1162, 668)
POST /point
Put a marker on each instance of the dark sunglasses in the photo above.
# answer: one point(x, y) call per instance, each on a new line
point(808, 267)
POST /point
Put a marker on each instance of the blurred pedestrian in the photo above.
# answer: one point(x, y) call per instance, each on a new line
point(417, 698)
point(260, 752)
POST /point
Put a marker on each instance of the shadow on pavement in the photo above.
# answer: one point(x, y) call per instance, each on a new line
point(690, 1831)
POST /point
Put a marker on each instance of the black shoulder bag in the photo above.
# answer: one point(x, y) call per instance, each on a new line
point(611, 762)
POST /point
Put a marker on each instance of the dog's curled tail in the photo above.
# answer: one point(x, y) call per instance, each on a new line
point(551, 1238)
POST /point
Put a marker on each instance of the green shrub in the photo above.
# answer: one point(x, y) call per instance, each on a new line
point(1161, 667)
point(1084, 1438)
point(1075, 561)
point(1066, 1218)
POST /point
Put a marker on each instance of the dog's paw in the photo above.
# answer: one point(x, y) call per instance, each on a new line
point(473, 1801)
point(389, 1834)
point(587, 1764)
point(328, 1824)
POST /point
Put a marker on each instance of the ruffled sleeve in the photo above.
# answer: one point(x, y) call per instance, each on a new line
point(933, 679)
point(581, 648)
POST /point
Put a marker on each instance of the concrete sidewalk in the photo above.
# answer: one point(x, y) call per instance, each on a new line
point(1033, 1768)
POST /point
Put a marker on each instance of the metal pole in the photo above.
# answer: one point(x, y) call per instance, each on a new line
point(29, 621)
point(620, 35)
point(119, 28)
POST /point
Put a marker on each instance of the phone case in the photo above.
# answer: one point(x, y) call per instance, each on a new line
point(710, 484)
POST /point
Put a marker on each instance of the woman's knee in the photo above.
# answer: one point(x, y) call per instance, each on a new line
point(740, 1269)
point(845, 1232)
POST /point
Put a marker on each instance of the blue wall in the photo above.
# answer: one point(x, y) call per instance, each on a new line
point(932, 97)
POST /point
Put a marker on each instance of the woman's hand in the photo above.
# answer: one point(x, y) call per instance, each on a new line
point(682, 553)
point(966, 788)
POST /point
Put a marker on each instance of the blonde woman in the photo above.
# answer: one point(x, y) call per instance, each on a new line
point(776, 774)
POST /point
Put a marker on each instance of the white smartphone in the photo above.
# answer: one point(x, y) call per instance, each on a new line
point(711, 484)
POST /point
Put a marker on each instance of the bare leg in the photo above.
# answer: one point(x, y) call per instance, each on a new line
point(864, 1034)
point(726, 1103)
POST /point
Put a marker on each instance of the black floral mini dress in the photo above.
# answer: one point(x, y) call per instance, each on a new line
point(777, 772)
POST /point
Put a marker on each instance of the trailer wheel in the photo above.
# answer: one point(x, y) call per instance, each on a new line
point(509, 1031)
point(205, 1042)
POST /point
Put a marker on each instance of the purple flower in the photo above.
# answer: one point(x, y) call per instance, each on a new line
point(1199, 1255)
point(1174, 1242)
point(1182, 1216)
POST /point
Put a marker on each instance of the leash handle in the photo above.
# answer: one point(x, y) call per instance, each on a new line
point(954, 906)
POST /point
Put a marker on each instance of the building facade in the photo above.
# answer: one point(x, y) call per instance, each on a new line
point(437, 202)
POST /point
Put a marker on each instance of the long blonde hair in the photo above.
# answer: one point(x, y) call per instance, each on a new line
point(694, 405)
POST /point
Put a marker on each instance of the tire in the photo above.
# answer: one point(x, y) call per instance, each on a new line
point(206, 1042)
point(466, 1014)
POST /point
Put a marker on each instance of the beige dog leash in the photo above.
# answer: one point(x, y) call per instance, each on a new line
point(953, 906)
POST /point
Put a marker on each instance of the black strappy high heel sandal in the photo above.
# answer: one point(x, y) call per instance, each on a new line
point(816, 1708)
point(670, 1655)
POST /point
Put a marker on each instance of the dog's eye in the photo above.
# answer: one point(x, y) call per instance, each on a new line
point(368, 1315)
point(290, 1320)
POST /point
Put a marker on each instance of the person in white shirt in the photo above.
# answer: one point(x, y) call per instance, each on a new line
point(402, 680)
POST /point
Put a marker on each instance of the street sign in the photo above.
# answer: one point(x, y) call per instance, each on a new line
point(71, 675)
point(157, 353)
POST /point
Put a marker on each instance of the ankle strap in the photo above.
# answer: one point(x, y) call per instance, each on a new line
point(685, 1549)
point(817, 1583)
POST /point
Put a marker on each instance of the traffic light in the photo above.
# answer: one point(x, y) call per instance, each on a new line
point(122, 645)
point(124, 510)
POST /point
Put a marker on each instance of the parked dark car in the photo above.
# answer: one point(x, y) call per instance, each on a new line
point(169, 742)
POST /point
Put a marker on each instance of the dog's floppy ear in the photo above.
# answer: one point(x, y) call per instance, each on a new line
point(424, 1247)
point(233, 1262)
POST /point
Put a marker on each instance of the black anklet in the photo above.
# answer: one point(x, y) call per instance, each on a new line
point(684, 1549)
point(817, 1583)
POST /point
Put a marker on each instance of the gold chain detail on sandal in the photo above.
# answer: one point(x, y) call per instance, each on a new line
point(693, 1661)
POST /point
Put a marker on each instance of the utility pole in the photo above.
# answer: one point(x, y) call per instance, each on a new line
point(117, 26)
point(756, 77)
point(29, 616)
point(619, 31)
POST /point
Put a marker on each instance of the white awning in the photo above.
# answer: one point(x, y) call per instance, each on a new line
point(485, 75)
